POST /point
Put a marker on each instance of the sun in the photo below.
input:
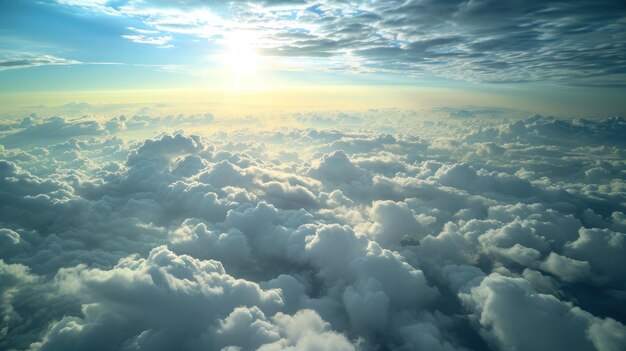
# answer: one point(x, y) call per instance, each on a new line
point(239, 56)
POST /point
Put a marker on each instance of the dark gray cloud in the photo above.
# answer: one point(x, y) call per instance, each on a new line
point(443, 234)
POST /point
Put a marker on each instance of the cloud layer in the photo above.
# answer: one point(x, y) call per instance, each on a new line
point(580, 43)
point(407, 234)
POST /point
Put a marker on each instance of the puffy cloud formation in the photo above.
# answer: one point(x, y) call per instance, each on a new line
point(401, 233)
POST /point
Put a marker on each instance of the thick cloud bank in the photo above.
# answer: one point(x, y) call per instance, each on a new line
point(415, 234)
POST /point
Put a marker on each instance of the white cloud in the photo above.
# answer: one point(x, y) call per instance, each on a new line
point(151, 40)
point(350, 240)
point(513, 316)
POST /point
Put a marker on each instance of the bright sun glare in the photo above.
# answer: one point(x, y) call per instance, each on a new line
point(240, 57)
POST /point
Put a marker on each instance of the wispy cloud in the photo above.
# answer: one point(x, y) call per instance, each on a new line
point(144, 39)
point(578, 43)
point(26, 61)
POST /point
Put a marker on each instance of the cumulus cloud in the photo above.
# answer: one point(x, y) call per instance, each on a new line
point(513, 316)
point(449, 234)
point(336, 168)
point(49, 131)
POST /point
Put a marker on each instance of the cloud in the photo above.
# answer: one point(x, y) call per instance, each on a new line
point(484, 40)
point(49, 131)
point(337, 168)
point(395, 222)
point(512, 315)
point(591, 241)
point(196, 292)
point(307, 331)
point(26, 61)
point(455, 234)
point(566, 268)
point(159, 41)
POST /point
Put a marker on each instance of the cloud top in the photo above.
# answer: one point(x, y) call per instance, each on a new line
point(458, 234)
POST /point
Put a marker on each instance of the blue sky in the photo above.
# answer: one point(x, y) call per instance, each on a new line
point(557, 51)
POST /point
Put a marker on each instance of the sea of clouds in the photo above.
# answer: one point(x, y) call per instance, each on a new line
point(382, 230)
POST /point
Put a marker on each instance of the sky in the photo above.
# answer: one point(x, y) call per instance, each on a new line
point(294, 175)
point(562, 58)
